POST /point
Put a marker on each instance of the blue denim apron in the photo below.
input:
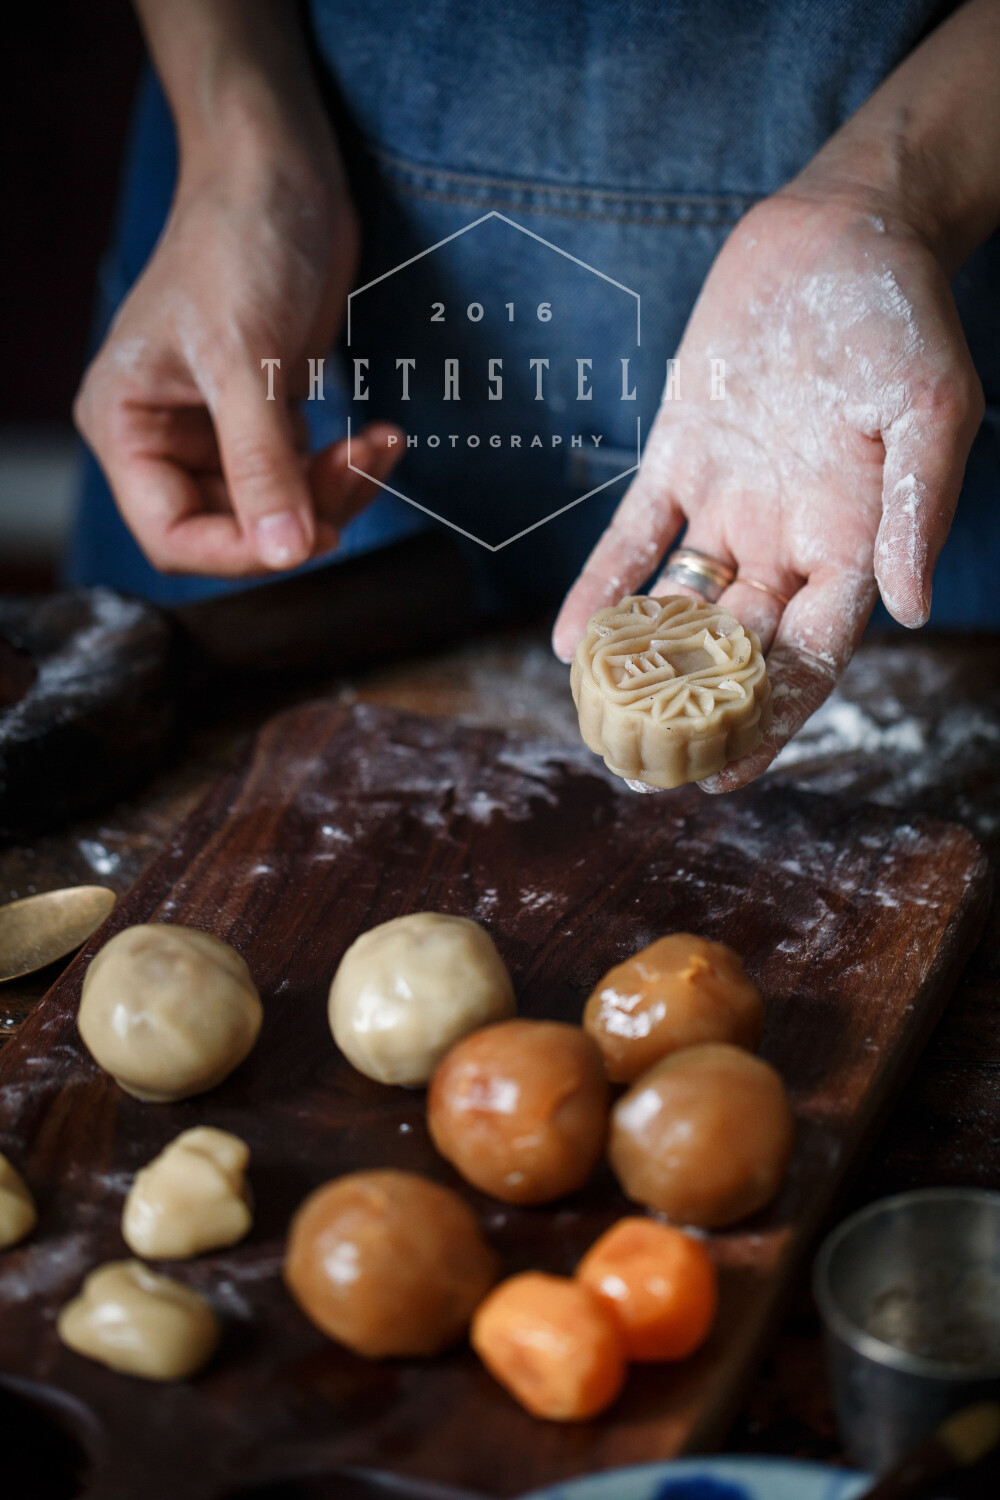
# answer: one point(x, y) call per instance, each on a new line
point(631, 135)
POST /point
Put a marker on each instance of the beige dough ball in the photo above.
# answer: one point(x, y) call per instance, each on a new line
point(705, 1136)
point(168, 1011)
point(406, 991)
point(191, 1198)
point(17, 1208)
point(133, 1320)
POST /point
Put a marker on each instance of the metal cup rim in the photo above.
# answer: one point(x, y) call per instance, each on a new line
point(858, 1338)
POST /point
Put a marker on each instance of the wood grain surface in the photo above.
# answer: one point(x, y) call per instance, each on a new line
point(854, 920)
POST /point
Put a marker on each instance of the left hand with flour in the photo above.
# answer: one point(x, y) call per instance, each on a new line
point(831, 468)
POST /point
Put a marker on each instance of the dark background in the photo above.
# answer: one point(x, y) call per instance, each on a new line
point(67, 78)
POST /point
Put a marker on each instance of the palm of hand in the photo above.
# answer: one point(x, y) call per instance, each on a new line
point(833, 462)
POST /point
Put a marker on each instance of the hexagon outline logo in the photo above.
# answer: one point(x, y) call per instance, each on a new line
point(381, 483)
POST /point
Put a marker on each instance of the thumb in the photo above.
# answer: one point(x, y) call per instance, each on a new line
point(926, 447)
point(265, 477)
point(641, 529)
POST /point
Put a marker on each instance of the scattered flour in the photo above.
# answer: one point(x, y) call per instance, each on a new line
point(839, 727)
point(102, 861)
point(534, 900)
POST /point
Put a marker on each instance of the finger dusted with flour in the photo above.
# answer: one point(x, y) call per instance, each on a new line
point(816, 638)
point(926, 447)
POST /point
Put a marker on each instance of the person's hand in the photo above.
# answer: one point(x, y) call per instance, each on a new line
point(255, 262)
point(833, 464)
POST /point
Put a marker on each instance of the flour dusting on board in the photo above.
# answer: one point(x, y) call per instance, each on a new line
point(904, 759)
point(840, 727)
point(442, 785)
point(101, 859)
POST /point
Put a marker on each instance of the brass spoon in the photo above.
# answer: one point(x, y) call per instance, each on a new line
point(38, 930)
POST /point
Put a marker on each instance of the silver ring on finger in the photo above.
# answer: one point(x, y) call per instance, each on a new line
point(707, 576)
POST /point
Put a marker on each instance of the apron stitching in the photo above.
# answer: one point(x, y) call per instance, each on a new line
point(444, 179)
point(679, 214)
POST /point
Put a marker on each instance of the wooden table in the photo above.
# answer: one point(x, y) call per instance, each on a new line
point(915, 725)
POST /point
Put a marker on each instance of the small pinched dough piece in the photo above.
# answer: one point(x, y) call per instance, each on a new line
point(133, 1320)
point(191, 1198)
point(168, 1011)
point(408, 990)
point(669, 690)
point(17, 1208)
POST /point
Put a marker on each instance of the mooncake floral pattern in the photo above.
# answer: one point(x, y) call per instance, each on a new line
point(643, 647)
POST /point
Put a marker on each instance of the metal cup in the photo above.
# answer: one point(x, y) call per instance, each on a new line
point(909, 1292)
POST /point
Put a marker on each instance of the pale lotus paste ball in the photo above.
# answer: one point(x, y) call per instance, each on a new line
point(134, 1320)
point(407, 990)
point(17, 1207)
point(168, 1011)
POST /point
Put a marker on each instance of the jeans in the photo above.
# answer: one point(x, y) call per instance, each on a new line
point(632, 136)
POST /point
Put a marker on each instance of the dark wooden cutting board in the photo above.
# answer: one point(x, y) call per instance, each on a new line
point(854, 922)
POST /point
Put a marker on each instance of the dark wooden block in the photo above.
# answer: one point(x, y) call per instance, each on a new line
point(86, 704)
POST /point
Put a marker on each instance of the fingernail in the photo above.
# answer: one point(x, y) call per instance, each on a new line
point(281, 540)
point(713, 785)
point(925, 603)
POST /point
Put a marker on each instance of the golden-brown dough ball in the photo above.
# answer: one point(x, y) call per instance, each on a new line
point(388, 1263)
point(705, 1136)
point(679, 992)
point(520, 1109)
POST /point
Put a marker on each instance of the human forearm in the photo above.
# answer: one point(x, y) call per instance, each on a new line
point(926, 146)
point(205, 457)
point(240, 88)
